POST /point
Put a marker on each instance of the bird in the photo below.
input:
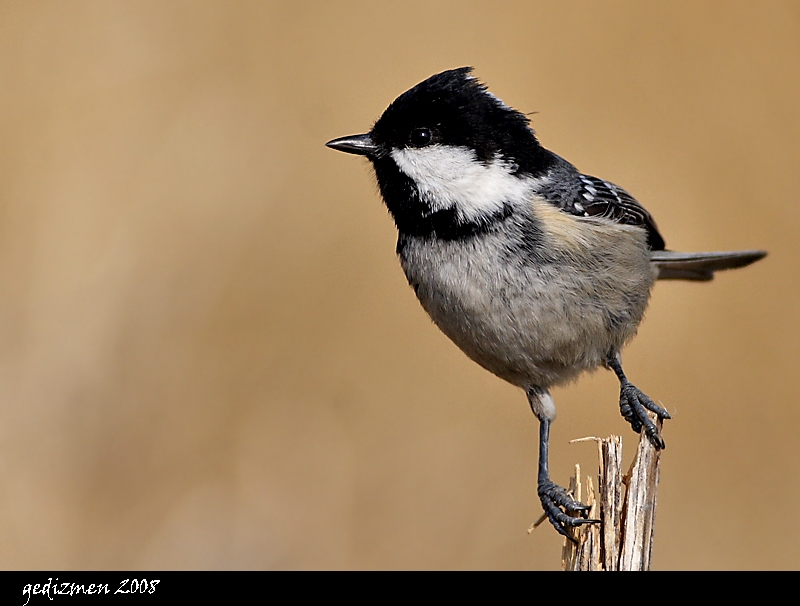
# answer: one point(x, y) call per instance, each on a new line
point(536, 271)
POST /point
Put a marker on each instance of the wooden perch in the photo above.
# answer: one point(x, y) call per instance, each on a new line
point(626, 507)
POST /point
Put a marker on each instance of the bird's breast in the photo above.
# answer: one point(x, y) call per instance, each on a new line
point(534, 303)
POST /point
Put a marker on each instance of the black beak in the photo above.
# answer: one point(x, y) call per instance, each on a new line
point(355, 144)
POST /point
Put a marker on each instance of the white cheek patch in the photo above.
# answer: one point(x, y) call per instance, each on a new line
point(453, 177)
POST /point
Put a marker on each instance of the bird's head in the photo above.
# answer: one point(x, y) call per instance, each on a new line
point(447, 151)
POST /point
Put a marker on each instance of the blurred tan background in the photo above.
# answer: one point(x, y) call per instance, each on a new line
point(210, 358)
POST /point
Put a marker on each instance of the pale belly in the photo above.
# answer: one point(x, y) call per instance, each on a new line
point(539, 320)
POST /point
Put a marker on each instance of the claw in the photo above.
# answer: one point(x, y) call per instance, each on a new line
point(554, 498)
point(634, 404)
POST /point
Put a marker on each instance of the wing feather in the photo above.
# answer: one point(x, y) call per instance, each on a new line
point(600, 198)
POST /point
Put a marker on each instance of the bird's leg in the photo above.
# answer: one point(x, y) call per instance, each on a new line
point(634, 404)
point(554, 498)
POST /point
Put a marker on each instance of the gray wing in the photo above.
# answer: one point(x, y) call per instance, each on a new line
point(600, 198)
point(587, 196)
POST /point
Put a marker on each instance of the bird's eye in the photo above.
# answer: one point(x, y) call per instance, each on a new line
point(420, 137)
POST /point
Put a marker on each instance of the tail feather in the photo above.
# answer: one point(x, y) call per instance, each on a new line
point(700, 266)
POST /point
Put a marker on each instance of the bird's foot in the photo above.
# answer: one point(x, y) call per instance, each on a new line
point(634, 404)
point(555, 498)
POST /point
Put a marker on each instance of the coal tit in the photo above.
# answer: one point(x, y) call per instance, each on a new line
point(535, 271)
